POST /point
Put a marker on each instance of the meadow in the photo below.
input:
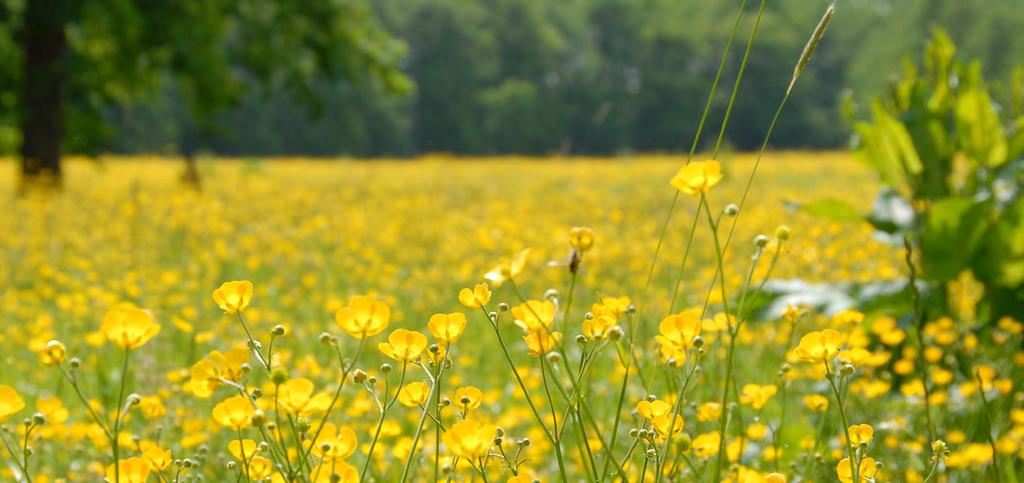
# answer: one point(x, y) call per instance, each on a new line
point(352, 339)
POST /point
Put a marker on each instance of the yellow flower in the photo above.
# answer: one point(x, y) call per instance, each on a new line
point(158, 458)
point(54, 353)
point(403, 345)
point(534, 315)
point(132, 470)
point(468, 397)
point(233, 297)
point(650, 410)
point(757, 396)
point(152, 407)
point(861, 434)
point(129, 327)
point(10, 402)
point(447, 328)
point(816, 403)
point(260, 468)
point(540, 342)
point(697, 177)
point(598, 326)
point(364, 317)
point(706, 445)
point(296, 397)
point(234, 412)
point(662, 423)
point(868, 470)
point(469, 439)
point(581, 238)
point(243, 450)
point(206, 374)
point(477, 297)
point(508, 268)
point(820, 346)
point(677, 333)
point(709, 411)
point(414, 394)
point(775, 478)
point(335, 444)
point(324, 472)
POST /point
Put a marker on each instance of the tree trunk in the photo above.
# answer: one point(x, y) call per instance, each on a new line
point(44, 46)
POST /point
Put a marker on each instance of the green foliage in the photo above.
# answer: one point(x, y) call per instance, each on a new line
point(938, 140)
point(210, 53)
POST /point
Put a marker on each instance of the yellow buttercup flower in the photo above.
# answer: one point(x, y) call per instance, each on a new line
point(706, 445)
point(475, 298)
point(534, 315)
point(581, 238)
point(820, 346)
point(469, 439)
point(325, 471)
point(816, 403)
point(130, 327)
point(861, 434)
point(335, 444)
point(233, 297)
point(468, 397)
point(243, 450)
point(403, 345)
point(540, 342)
point(508, 268)
point(868, 470)
point(650, 410)
point(132, 470)
point(234, 412)
point(364, 317)
point(54, 353)
point(757, 396)
point(599, 326)
point(152, 407)
point(667, 424)
point(260, 468)
point(10, 402)
point(447, 328)
point(677, 332)
point(414, 394)
point(697, 177)
point(296, 397)
point(206, 375)
point(158, 458)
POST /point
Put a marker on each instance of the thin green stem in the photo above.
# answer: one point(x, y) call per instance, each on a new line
point(114, 443)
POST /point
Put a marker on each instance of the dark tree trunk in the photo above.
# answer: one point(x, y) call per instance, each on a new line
point(42, 100)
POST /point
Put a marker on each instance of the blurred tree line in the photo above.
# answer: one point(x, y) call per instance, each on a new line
point(566, 76)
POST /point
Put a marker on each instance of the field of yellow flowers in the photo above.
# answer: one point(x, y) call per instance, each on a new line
point(478, 320)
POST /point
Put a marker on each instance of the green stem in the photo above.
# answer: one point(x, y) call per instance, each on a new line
point(526, 393)
point(854, 464)
point(380, 423)
point(115, 444)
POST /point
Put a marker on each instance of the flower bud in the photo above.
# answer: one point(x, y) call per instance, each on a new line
point(782, 232)
point(278, 331)
point(279, 375)
point(503, 307)
point(326, 338)
point(731, 209)
point(258, 419)
point(359, 376)
point(760, 241)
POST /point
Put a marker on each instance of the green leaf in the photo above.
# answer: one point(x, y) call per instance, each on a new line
point(1001, 258)
point(833, 209)
point(887, 147)
point(977, 125)
point(951, 235)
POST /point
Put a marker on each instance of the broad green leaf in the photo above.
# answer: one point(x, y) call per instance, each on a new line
point(951, 234)
point(1001, 257)
point(977, 125)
